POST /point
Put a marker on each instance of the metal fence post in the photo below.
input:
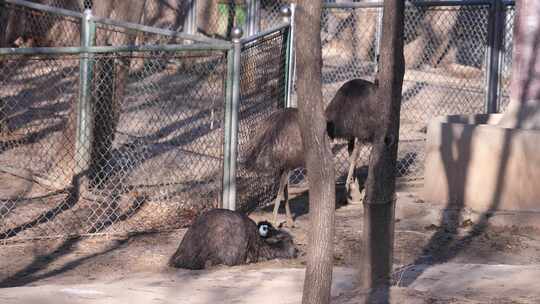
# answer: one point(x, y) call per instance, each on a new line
point(493, 50)
point(231, 121)
point(190, 22)
point(253, 17)
point(84, 109)
point(287, 12)
point(378, 34)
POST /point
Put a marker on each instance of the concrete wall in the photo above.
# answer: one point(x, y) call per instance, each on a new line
point(471, 162)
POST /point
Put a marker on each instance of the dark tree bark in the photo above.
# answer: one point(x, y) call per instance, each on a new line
point(379, 203)
point(319, 159)
point(524, 108)
point(110, 82)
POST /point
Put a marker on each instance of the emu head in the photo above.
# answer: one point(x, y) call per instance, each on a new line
point(265, 229)
point(280, 242)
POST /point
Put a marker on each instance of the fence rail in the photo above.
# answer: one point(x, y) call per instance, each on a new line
point(119, 127)
point(458, 58)
point(173, 113)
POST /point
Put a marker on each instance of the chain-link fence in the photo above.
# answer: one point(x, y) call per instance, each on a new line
point(262, 91)
point(155, 154)
point(118, 128)
point(508, 16)
point(128, 136)
point(164, 14)
point(27, 27)
point(34, 25)
point(116, 139)
point(446, 50)
point(217, 18)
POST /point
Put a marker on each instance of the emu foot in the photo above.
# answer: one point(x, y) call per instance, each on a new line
point(290, 223)
point(285, 224)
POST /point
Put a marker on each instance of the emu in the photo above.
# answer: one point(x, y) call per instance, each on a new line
point(353, 115)
point(221, 236)
point(277, 144)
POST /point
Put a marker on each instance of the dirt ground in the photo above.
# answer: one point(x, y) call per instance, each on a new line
point(421, 242)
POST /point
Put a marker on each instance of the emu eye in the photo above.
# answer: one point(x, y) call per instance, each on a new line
point(263, 230)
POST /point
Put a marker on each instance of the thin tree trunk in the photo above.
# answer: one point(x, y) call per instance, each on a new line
point(319, 160)
point(379, 203)
point(208, 17)
point(110, 81)
point(524, 108)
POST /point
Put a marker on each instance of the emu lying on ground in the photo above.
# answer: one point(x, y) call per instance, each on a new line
point(221, 236)
point(277, 145)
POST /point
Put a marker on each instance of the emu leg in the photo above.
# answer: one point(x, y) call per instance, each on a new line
point(290, 220)
point(282, 183)
point(352, 166)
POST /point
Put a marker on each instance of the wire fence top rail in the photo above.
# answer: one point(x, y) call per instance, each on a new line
point(141, 140)
point(155, 30)
point(168, 118)
point(45, 8)
point(417, 3)
point(117, 23)
point(264, 33)
point(111, 49)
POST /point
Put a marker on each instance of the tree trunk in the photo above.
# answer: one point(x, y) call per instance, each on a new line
point(524, 108)
point(207, 17)
point(379, 203)
point(319, 159)
point(110, 82)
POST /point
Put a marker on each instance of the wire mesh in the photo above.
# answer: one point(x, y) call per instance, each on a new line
point(270, 13)
point(38, 126)
point(26, 27)
point(168, 14)
point(506, 58)
point(156, 151)
point(217, 18)
point(73, 5)
point(445, 49)
point(157, 117)
point(262, 91)
point(445, 73)
point(107, 35)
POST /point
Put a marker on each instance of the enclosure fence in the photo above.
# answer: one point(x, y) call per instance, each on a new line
point(458, 61)
point(112, 127)
point(112, 123)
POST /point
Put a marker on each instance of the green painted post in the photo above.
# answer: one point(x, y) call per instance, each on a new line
point(493, 58)
point(287, 15)
point(84, 109)
point(231, 121)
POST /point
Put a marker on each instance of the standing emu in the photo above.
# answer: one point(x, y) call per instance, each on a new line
point(353, 114)
point(277, 147)
point(221, 236)
point(277, 144)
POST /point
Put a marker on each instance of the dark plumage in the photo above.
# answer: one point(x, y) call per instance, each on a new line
point(277, 147)
point(353, 112)
point(277, 144)
point(221, 236)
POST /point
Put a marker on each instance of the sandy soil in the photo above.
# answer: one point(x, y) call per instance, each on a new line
point(421, 243)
